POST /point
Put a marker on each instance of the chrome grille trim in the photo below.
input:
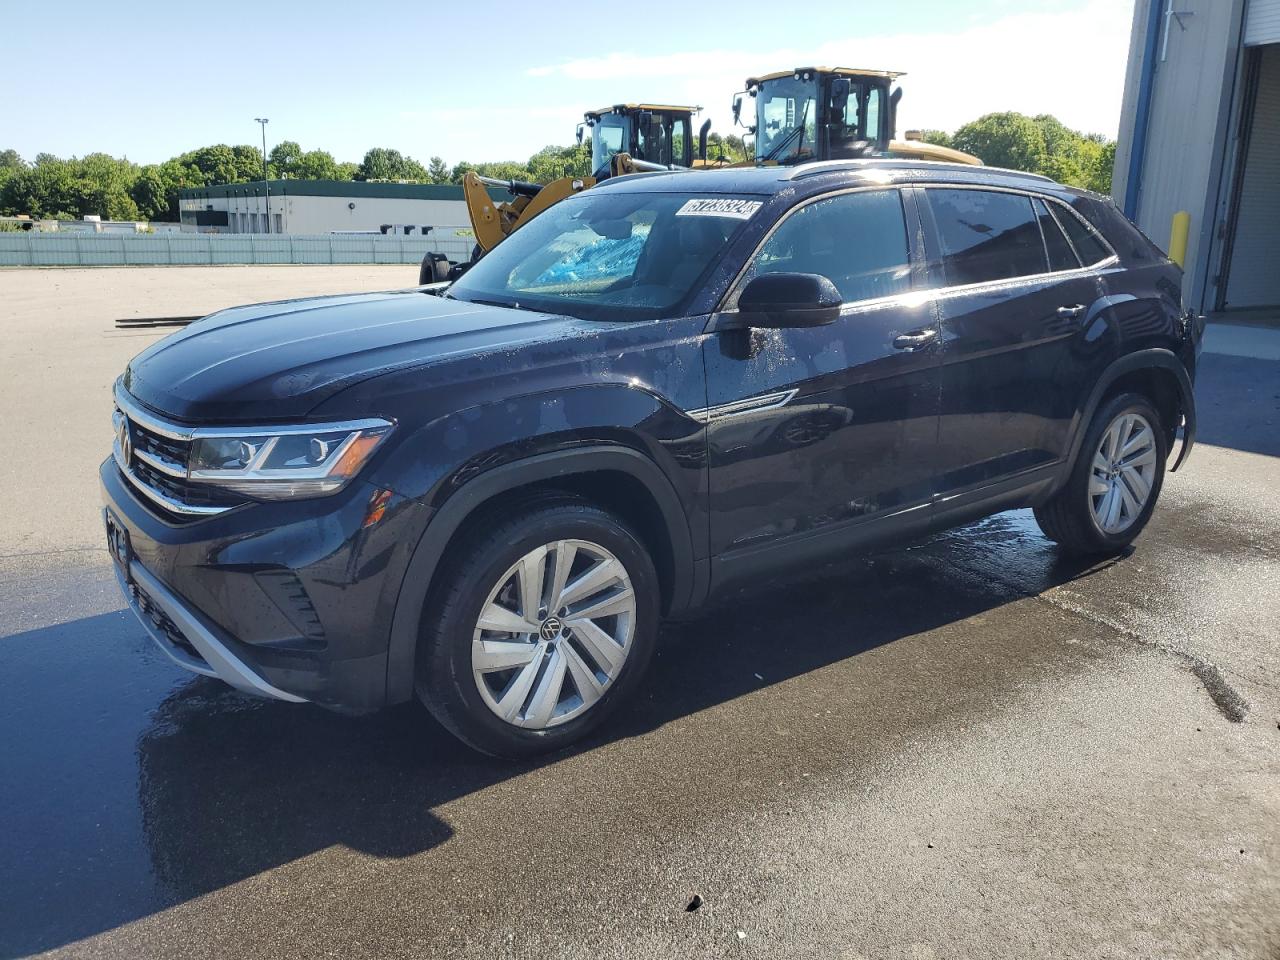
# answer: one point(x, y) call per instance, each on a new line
point(163, 464)
point(162, 500)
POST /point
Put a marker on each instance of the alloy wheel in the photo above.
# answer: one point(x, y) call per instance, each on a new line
point(1123, 472)
point(553, 634)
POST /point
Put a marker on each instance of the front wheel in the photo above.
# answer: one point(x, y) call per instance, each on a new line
point(545, 622)
point(1115, 482)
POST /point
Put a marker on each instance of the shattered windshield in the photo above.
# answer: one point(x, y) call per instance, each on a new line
point(609, 255)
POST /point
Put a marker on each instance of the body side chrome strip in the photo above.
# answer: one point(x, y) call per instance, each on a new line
point(736, 408)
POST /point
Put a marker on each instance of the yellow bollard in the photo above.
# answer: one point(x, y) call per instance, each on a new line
point(1178, 238)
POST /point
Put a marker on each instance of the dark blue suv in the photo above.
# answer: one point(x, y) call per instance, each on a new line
point(489, 494)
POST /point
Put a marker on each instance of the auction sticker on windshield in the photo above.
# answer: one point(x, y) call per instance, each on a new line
point(720, 207)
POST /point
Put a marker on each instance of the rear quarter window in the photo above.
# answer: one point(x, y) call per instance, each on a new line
point(1084, 238)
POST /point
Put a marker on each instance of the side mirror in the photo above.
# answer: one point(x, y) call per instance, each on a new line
point(702, 140)
point(581, 132)
point(737, 109)
point(782, 300)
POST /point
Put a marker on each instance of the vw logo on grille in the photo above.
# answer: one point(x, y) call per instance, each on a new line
point(550, 628)
point(126, 441)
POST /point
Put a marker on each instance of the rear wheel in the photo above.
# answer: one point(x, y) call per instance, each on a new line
point(1115, 482)
point(544, 624)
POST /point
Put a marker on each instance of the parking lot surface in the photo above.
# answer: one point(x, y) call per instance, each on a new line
point(966, 747)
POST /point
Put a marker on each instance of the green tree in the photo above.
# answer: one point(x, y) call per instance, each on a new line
point(381, 163)
point(553, 162)
point(460, 170)
point(10, 164)
point(347, 171)
point(1004, 140)
point(938, 138)
point(438, 170)
point(1040, 144)
point(504, 170)
point(284, 158)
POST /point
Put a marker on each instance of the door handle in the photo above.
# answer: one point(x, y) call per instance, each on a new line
point(1072, 312)
point(913, 341)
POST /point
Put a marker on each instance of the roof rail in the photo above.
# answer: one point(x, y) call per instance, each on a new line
point(817, 167)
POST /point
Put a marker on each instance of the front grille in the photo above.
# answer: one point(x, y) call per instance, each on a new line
point(164, 623)
point(161, 447)
point(155, 464)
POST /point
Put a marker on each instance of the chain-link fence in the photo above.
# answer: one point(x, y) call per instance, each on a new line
point(32, 249)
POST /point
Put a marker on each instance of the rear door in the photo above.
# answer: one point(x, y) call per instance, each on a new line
point(815, 432)
point(1020, 332)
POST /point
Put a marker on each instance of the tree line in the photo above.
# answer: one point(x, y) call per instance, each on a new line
point(1040, 144)
point(117, 189)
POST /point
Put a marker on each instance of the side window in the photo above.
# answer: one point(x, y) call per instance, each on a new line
point(985, 236)
point(1086, 242)
point(871, 114)
point(1061, 256)
point(679, 139)
point(858, 241)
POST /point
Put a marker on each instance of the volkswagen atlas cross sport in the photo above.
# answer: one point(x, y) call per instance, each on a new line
point(489, 495)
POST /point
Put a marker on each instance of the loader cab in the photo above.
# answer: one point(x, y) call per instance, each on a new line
point(651, 132)
point(818, 113)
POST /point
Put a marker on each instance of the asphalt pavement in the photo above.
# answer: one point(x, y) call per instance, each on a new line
point(965, 747)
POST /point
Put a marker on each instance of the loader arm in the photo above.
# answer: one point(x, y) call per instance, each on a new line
point(493, 221)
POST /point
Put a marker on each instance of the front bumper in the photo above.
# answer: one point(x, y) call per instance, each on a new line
point(290, 600)
point(189, 642)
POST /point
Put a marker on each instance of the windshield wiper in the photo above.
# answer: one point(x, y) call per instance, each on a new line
point(798, 128)
point(511, 304)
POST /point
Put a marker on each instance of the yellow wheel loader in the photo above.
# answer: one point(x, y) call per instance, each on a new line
point(830, 113)
point(625, 138)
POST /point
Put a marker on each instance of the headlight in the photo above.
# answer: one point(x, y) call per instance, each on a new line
point(287, 462)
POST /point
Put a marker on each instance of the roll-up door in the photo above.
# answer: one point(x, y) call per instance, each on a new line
point(1253, 280)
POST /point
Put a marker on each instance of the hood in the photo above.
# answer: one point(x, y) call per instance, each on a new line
point(277, 361)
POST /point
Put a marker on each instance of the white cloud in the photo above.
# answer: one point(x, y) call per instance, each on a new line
point(1070, 64)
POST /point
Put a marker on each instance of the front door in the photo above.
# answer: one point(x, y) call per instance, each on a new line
point(816, 433)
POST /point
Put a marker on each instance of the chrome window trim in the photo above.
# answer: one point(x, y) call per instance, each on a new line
point(943, 293)
point(174, 431)
point(730, 299)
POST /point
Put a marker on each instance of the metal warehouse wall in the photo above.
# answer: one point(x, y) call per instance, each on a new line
point(1189, 119)
point(310, 215)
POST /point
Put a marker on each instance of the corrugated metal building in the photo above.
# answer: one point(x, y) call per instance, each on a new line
point(1200, 132)
point(322, 206)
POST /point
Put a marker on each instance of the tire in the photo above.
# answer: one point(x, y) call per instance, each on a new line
point(434, 267)
point(1077, 517)
point(491, 687)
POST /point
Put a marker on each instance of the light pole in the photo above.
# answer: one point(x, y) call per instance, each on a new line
point(265, 182)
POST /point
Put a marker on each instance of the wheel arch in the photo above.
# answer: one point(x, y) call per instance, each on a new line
point(584, 471)
point(1160, 375)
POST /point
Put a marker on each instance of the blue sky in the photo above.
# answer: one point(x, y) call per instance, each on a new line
point(150, 80)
